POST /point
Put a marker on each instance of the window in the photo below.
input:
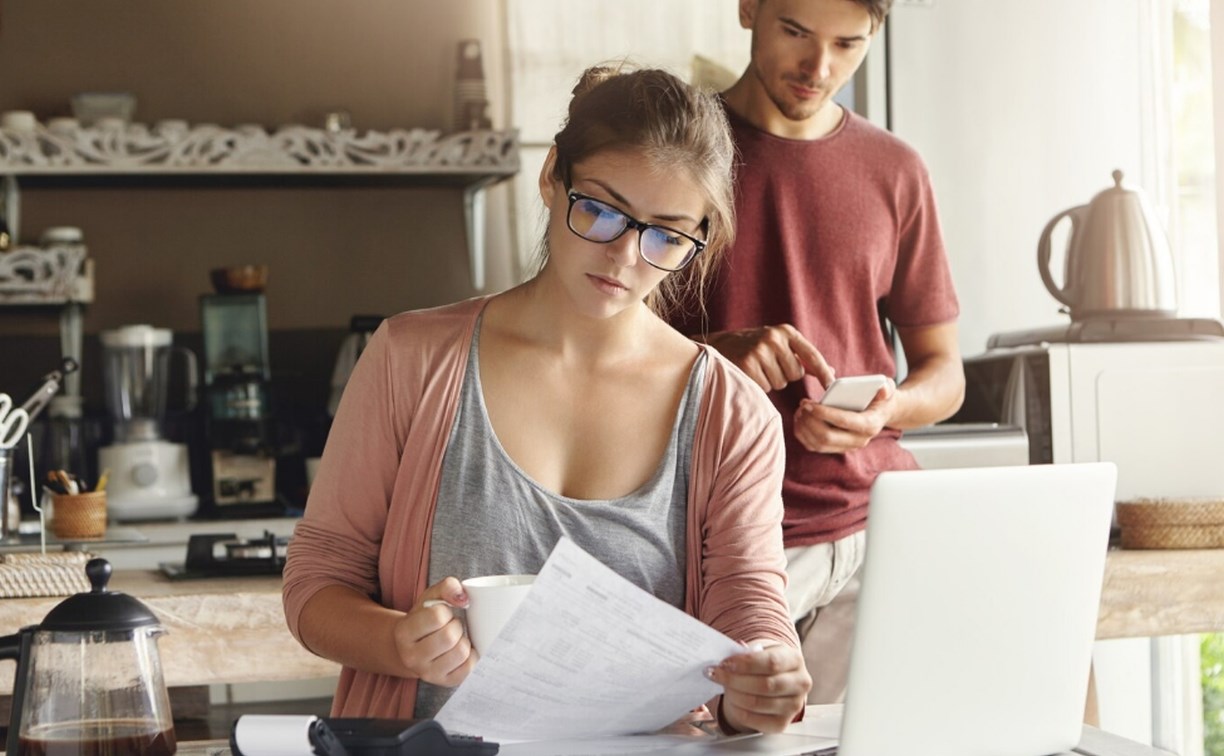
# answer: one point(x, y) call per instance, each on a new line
point(1193, 230)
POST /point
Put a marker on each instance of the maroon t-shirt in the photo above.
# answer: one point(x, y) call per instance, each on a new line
point(832, 236)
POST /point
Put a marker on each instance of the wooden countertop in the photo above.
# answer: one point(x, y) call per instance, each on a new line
point(230, 630)
point(222, 630)
point(1162, 592)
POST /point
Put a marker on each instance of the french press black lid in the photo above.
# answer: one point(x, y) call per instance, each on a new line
point(99, 609)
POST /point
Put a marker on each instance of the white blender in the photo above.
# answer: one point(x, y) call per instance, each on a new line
point(149, 477)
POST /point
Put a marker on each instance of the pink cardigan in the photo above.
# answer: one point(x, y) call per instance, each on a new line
point(370, 514)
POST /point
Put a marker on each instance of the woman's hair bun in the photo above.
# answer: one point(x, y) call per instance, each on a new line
point(596, 75)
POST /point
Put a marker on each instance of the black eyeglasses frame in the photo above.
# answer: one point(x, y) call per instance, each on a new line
point(635, 224)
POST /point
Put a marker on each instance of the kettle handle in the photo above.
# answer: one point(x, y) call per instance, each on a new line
point(1043, 252)
point(17, 647)
point(10, 646)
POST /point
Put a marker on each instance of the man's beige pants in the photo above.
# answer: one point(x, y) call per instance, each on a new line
point(822, 590)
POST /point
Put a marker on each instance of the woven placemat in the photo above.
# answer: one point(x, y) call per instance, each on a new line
point(1169, 523)
point(61, 573)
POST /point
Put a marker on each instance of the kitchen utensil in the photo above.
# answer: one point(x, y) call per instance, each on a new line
point(50, 385)
point(239, 279)
point(91, 107)
point(20, 121)
point(13, 426)
point(150, 476)
point(89, 678)
point(79, 515)
point(10, 516)
point(1118, 261)
point(225, 554)
point(337, 121)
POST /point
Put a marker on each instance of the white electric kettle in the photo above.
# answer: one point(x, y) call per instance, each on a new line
point(1118, 260)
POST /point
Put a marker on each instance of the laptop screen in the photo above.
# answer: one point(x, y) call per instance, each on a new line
point(977, 612)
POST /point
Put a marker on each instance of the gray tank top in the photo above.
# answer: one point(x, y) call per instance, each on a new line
point(492, 518)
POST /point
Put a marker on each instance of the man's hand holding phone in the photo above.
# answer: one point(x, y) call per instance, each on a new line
point(852, 411)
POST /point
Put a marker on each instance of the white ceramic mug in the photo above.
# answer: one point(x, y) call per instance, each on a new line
point(492, 600)
point(18, 120)
point(63, 126)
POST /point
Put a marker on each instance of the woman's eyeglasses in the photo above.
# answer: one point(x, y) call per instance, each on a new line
point(664, 248)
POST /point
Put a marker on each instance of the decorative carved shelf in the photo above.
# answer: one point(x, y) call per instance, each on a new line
point(117, 154)
point(55, 275)
point(173, 147)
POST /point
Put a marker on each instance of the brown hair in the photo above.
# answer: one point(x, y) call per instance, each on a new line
point(678, 128)
point(877, 9)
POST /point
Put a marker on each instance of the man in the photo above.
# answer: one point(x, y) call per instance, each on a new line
point(837, 230)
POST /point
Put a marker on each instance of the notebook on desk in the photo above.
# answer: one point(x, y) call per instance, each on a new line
point(977, 614)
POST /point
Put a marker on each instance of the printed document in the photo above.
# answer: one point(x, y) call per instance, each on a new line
point(587, 654)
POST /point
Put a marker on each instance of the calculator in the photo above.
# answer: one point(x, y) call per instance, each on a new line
point(404, 737)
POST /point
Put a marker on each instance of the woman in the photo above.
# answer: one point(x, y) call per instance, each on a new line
point(471, 437)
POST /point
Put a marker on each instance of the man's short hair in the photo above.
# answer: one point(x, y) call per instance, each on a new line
point(878, 9)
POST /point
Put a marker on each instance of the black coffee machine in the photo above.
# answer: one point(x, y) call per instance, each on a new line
point(238, 418)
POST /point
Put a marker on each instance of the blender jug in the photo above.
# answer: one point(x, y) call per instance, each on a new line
point(136, 367)
point(150, 477)
point(89, 678)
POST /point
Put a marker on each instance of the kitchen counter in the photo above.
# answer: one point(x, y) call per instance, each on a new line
point(1162, 592)
point(222, 630)
point(232, 630)
point(145, 545)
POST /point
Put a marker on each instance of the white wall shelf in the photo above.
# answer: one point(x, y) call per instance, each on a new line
point(64, 154)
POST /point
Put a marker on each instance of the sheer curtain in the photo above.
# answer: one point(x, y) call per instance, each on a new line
point(1189, 148)
point(1216, 20)
point(1179, 164)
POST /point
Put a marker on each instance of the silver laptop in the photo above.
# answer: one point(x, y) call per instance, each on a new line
point(978, 610)
point(976, 617)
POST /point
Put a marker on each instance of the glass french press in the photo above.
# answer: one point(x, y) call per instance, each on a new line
point(89, 679)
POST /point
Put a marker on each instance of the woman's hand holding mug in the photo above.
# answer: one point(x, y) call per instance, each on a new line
point(432, 641)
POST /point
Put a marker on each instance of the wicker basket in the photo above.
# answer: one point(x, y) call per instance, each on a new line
point(78, 516)
point(60, 573)
point(1193, 523)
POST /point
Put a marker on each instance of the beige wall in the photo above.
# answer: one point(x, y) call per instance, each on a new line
point(332, 251)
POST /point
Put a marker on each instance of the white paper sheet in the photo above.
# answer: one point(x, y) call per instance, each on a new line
point(588, 654)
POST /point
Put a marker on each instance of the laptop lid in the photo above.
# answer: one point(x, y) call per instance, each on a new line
point(978, 609)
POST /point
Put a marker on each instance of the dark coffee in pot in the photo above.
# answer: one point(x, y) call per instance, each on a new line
point(107, 737)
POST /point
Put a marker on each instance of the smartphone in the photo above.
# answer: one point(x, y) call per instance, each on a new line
point(853, 393)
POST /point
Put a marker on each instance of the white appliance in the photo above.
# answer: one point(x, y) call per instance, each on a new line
point(149, 476)
point(1152, 408)
point(949, 445)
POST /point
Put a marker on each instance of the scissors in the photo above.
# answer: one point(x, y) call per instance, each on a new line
point(13, 422)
